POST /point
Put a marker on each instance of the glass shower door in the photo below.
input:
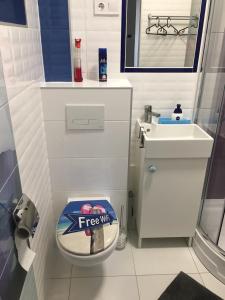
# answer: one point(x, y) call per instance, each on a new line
point(211, 117)
point(212, 220)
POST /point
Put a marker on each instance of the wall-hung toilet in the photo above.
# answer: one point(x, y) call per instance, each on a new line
point(87, 230)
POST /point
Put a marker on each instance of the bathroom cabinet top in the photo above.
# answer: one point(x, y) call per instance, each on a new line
point(119, 83)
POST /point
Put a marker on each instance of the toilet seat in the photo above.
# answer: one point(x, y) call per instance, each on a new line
point(87, 227)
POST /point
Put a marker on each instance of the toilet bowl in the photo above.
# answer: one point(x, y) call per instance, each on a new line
point(87, 230)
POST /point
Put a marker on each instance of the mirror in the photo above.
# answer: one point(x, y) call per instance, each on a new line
point(161, 35)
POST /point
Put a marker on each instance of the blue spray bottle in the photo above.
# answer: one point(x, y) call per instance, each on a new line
point(102, 58)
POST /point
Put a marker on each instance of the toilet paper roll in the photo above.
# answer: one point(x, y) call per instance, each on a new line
point(25, 254)
point(26, 218)
point(28, 221)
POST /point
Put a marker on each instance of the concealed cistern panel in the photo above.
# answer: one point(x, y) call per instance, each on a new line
point(84, 116)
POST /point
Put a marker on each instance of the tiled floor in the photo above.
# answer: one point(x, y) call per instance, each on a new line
point(131, 274)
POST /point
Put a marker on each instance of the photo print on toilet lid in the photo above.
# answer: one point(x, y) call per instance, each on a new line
point(87, 227)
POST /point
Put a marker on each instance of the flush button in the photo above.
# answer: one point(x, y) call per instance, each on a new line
point(81, 116)
point(80, 122)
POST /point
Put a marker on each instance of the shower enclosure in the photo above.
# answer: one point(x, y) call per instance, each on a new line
point(209, 242)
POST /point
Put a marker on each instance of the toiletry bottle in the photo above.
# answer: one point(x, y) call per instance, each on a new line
point(102, 58)
point(77, 61)
point(177, 114)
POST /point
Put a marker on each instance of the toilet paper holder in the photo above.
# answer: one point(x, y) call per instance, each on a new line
point(26, 217)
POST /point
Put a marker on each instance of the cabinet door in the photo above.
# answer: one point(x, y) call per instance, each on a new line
point(171, 197)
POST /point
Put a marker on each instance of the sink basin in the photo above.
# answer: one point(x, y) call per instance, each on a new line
point(175, 141)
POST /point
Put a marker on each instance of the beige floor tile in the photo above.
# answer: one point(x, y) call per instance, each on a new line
point(198, 263)
point(58, 267)
point(164, 256)
point(119, 263)
point(102, 288)
point(58, 289)
point(214, 284)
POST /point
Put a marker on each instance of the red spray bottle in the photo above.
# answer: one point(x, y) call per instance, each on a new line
point(77, 61)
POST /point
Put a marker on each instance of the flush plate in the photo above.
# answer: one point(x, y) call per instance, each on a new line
point(84, 116)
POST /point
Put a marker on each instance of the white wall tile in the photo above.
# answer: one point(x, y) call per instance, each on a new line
point(96, 40)
point(88, 162)
point(27, 121)
point(77, 15)
point(116, 101)
point(88, 174)
point(100, 23)
point(113, 141)
point(23, 69)
point(162, 91)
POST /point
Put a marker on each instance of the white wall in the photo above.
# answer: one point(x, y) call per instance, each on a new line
point(88, 162)
point(22, 63)
point(161, 90)
point(163, 51)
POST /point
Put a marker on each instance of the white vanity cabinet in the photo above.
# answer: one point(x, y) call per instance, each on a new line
point(168, 189)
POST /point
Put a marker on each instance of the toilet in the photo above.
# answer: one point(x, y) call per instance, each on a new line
point(87, 230)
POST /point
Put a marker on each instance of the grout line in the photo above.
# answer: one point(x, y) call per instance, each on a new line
point(123, 275)
point(6, 262)
point(9, 177)
point(203, 282)
point(166, 274)
point(55, 277)
point(189, 248)
point(69, 288)
point(136, 277)
point(101, 276)
point(71, 271)
point(85, 157)
point(138, 289)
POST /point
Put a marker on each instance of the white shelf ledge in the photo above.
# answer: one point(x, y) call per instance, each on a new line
point(111, 83)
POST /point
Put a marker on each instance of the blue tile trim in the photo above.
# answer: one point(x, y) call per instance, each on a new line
point(55, 35)
point(53, 14)
point(56, 54)
point(13, 11)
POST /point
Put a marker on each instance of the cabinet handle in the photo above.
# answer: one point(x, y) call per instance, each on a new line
point(152, 168)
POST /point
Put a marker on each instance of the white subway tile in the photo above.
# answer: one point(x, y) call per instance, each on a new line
point(101, 23)
point(89, 173)
point(116, 101)
point(113, 141)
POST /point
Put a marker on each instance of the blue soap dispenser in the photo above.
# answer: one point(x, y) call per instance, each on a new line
point(177, 114)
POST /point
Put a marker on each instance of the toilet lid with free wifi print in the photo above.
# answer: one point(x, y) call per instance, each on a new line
point(87, 227)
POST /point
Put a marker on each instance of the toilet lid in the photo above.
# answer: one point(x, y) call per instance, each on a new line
point(87, 227)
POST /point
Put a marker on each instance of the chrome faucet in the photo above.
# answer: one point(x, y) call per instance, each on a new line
point(149, 114)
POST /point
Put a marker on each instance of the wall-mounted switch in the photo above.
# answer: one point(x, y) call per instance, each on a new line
point(106, 7)
point(84, 116)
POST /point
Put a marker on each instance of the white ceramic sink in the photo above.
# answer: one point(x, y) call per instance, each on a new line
point(175, 141)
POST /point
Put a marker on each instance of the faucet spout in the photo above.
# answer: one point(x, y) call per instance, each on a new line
point(149, 114)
